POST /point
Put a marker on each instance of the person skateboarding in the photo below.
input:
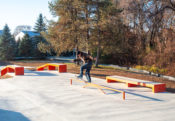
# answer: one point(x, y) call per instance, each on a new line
point(87, 65)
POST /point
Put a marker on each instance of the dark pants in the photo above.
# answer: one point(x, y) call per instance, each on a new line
point(88, 67)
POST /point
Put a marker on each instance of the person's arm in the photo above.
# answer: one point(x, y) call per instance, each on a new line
point(82, 59)
point(76, 60)
point(91, 57)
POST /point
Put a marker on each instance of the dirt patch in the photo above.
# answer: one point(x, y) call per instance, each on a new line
point(102, 73)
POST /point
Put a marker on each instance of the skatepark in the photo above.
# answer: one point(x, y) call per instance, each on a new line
point(48, 96)
point(87, 60)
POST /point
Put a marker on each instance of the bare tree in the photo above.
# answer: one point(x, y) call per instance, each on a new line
point(20, 28)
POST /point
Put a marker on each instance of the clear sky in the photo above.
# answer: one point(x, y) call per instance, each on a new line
point(22, 12)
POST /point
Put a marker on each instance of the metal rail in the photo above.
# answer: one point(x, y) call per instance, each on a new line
point(97, 86)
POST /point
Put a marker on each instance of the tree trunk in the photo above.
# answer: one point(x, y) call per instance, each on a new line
point(77, 49)
point(98, 56)
point(76, 52)
point(99, 41)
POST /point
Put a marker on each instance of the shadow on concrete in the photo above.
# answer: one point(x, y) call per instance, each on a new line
point(131, 92)
point(99, 75)
point(6, 115)
point(39, 73)
point(4, 63)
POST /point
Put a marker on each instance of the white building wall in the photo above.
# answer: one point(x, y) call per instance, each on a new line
point(19, 36)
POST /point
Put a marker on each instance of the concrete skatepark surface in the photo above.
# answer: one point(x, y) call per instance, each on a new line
point(48, 96)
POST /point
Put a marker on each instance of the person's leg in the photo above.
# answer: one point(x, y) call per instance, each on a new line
point(81, 70)
point(88, 75)
point(88, 69)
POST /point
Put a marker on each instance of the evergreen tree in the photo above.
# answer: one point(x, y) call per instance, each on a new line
point(40, 25)
point(86, 21)
point(35, 46)
point(65, 34)
point(81, 25)
point(7, 45)
point(72, 28)
point(17, 47)
point(25, 47)
point(105, 14)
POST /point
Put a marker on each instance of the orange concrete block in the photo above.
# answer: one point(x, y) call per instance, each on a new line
point(111, 81)
point(19, 70)
point(62, 68)
point(51, 67)
point(3, 71)
point(9, 69)
point(131, 85)
point(159, 88)
point(40, 69)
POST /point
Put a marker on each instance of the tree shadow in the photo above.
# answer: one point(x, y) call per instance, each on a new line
point(39, 73)
point(100, 75)
point(172, 90)
point(4, 63)
point(143, 96)
point(131, 92)
point(6, 115)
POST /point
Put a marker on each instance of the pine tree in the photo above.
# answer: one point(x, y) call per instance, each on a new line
point(35, 46)
point(104, 12)
point(81, 24)
point(7, 45)
point(25, 47)
point(86, 21)
point(72, 30)
point(40, 25)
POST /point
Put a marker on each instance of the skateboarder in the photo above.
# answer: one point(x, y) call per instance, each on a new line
point(87, 64)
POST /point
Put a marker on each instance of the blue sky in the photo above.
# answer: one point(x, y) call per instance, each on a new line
point(22, 12)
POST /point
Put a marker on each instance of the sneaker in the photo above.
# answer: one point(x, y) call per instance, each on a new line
point(79, 77)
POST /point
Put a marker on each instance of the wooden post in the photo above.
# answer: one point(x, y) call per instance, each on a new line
point(70, 81)
point(123, 95)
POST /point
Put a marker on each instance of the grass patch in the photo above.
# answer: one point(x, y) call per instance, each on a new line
point(104, 67)
point(153, 69)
